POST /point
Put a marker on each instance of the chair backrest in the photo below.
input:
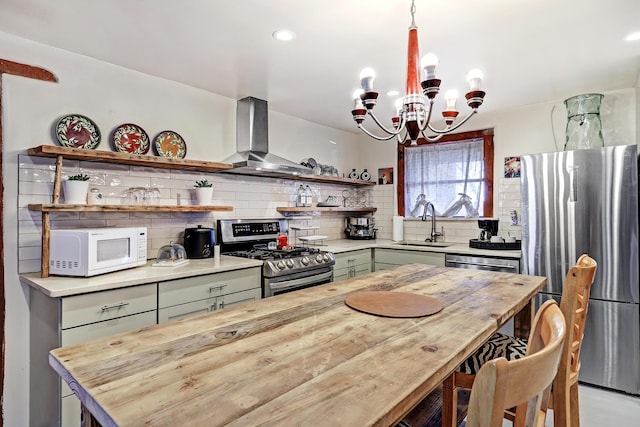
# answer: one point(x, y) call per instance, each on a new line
point(524, 383)
point(574, 304)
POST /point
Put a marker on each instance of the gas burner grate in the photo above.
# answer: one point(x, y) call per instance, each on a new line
point(261, 252)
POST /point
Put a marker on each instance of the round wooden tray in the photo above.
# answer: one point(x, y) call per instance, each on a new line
point(393, 304)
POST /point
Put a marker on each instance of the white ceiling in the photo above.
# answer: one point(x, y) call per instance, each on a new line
point(530, 51)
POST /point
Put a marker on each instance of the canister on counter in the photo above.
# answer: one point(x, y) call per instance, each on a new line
point(94, 197)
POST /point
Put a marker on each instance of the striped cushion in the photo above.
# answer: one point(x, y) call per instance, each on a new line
point(499, 345)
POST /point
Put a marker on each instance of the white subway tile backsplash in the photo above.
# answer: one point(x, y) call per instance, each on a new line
point(251, 197)
point(28, 266)
point(29, 252)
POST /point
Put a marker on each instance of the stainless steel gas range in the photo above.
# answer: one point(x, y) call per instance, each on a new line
point(285, 269)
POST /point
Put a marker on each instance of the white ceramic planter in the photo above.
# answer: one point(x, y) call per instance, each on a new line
point(203, 195)
point(75, 192)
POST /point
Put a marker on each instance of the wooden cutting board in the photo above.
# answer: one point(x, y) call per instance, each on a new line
point(393, 304)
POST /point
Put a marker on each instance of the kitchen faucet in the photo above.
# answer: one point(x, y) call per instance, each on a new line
point(434, 233)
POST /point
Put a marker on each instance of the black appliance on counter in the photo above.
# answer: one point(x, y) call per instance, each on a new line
point(284, 270)
point(489, 229)
point(199, 242)
point(360, 227)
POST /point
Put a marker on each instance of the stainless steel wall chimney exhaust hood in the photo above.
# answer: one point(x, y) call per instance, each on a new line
point(252, 143)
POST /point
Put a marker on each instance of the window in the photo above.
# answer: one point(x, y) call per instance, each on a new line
point(439, 172)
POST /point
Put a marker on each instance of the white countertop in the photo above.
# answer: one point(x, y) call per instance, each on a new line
point(60, 286)
point(338, 246)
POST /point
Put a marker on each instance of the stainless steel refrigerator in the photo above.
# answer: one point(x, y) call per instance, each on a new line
point(586, 201)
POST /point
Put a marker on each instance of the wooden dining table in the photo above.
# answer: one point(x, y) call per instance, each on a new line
point(303, 358)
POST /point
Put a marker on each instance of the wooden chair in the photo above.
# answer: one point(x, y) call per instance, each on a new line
point(523, 383)
point(574, 304)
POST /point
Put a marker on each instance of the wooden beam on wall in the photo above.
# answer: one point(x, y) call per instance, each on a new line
point(31, 72)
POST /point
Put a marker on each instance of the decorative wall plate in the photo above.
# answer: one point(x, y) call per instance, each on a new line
point(130, 138)
point(77, 131)
point(170, 144)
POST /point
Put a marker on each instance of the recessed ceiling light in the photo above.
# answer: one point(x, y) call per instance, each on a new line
point(633, 37)
point(284, 35)
point(393, 93)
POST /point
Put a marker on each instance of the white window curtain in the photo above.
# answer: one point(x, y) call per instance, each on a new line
point(441, 174)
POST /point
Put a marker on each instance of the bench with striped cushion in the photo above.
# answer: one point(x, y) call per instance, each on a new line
point(499, 345)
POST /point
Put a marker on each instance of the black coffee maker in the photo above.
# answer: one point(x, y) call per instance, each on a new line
point(488, 227)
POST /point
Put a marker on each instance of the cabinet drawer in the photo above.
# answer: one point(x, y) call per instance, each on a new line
point(104, 329)
point(402, 257)
point(197, 288)
point(237, 298)
point(355, 258)
point(181, 311)
point(343, 273)
point(98, 306)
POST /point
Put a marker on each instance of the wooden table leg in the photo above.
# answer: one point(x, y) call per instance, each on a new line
point(86, 418)
point(522, 321)
point(449, 402)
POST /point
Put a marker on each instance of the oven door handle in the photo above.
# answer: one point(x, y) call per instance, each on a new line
point(288, 284)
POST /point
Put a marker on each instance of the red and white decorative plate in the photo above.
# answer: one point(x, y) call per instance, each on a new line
point(170, 144)
point(77, 131)
point(130, 138)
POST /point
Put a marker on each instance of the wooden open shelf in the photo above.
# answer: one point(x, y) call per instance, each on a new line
point(285, 209)
point(170, 163)
point(333, 180)
point(127, 159)
point(53, 207)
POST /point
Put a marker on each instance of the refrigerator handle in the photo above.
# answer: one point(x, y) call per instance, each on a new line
point(573, 184)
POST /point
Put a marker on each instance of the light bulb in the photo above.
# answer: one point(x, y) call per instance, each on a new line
point(357, 101)
point(429, 62)
point(474, 77)
point(399, 104)
point(367, 76)
point(452, 97)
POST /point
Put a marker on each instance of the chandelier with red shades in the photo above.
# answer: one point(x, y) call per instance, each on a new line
point(413, 112)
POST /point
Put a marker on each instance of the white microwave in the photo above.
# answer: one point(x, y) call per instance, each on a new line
point(92, 251)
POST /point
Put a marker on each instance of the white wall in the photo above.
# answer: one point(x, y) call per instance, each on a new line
point(111, 95)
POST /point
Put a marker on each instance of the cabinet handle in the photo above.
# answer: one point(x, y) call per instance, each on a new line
point(115, 306)
point(213, 288)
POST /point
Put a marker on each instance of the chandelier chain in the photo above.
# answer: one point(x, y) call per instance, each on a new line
point(413, 12)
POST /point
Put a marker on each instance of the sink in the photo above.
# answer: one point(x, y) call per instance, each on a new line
point(422, 243)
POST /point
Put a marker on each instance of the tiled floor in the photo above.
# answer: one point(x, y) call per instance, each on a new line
point(603, 408)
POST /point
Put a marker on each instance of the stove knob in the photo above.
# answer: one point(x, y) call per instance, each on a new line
point(305, 260)
point(327, 258)
point(289, 263)
point(319, 258)
point(280, 265)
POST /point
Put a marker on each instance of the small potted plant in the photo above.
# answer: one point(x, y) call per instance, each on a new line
point(204, 191)
point(75, 189)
